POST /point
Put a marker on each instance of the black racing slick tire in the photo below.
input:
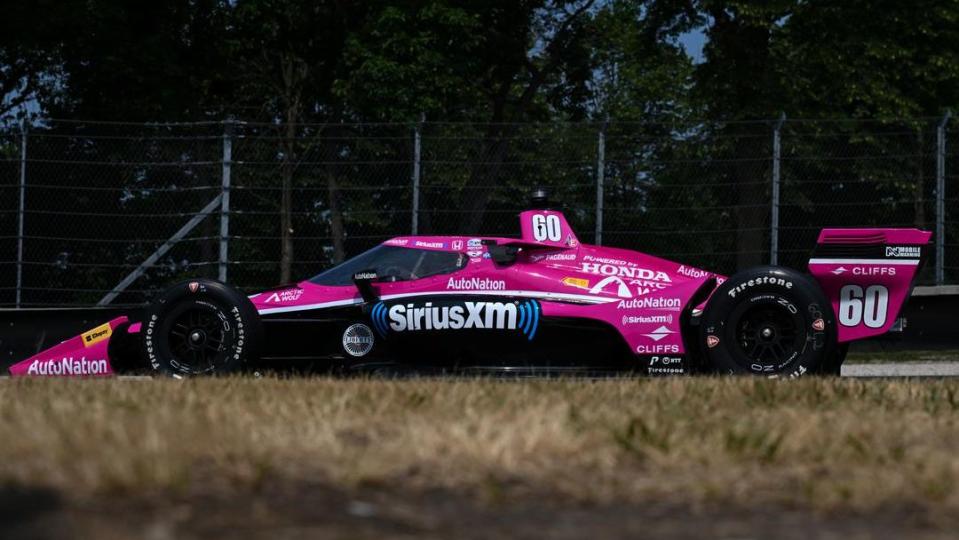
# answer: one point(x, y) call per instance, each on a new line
point(200, 327)
point(768, 321)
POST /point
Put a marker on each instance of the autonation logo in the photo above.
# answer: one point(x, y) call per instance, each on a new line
point(475, 284)
point(650, 303)
point(68, 366)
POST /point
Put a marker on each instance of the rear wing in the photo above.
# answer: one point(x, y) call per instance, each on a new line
point(867, 275)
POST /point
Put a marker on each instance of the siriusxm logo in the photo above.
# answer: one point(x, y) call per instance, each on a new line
point(522, 316)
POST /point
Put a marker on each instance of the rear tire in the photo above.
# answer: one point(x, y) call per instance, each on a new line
point(768, 321)
point(200, 327)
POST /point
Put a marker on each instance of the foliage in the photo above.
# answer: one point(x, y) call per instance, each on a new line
point(298, 69)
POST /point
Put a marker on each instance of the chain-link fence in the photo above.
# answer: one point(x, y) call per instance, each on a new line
point(96, 212)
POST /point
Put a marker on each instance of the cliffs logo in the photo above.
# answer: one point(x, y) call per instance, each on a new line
point(522, 317)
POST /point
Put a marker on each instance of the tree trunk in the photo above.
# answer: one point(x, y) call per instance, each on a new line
point(753, 208)
point(919, 208)
point(752, 200)
point(286, 199)
point(210, 247)
point(336, 218)
point(483, 180)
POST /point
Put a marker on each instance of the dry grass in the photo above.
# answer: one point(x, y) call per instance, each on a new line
point(822, 444)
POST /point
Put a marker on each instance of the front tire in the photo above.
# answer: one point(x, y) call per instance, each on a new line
point(200, 327)
point(768, 321)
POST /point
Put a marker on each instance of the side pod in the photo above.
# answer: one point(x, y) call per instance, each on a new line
point(867, 275)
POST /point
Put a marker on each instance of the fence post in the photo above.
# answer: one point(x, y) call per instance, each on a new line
point(21, 208)
point(774, 199)
point(941, 197)
point(600, 180)
point(417, 132)
point(225, 197)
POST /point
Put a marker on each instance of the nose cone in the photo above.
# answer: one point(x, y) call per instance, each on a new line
point(80, 356)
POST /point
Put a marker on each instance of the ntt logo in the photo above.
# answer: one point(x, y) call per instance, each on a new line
point(414, 317)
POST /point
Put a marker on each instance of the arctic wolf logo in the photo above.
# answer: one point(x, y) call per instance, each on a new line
point(414, 317)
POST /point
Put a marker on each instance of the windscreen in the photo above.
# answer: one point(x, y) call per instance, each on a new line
point(393, 264)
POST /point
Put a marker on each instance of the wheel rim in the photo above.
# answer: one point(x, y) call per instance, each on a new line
point(768, 334)
point(197, 338)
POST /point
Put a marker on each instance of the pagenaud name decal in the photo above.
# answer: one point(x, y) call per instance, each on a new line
point(68, 366)
point(517, 316)
point(475, 284)
point(553, 257)
point(765, 280)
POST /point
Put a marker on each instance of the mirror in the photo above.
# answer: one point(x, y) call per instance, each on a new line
point(364, 280)
point(502, 254)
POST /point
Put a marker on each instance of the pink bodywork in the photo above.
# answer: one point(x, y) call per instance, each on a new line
point(867, 293)
point(80, 356)
point(640, 295)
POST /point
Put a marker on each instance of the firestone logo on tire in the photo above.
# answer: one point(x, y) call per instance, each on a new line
point(358, 340)
point(765, 280)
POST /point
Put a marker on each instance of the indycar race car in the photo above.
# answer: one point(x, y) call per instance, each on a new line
point(540, 303)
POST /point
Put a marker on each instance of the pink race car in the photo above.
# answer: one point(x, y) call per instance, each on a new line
point(542, 303)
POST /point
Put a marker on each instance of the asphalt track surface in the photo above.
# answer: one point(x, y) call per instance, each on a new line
point(902, 369)
point(861, 371)
point(885, 369)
